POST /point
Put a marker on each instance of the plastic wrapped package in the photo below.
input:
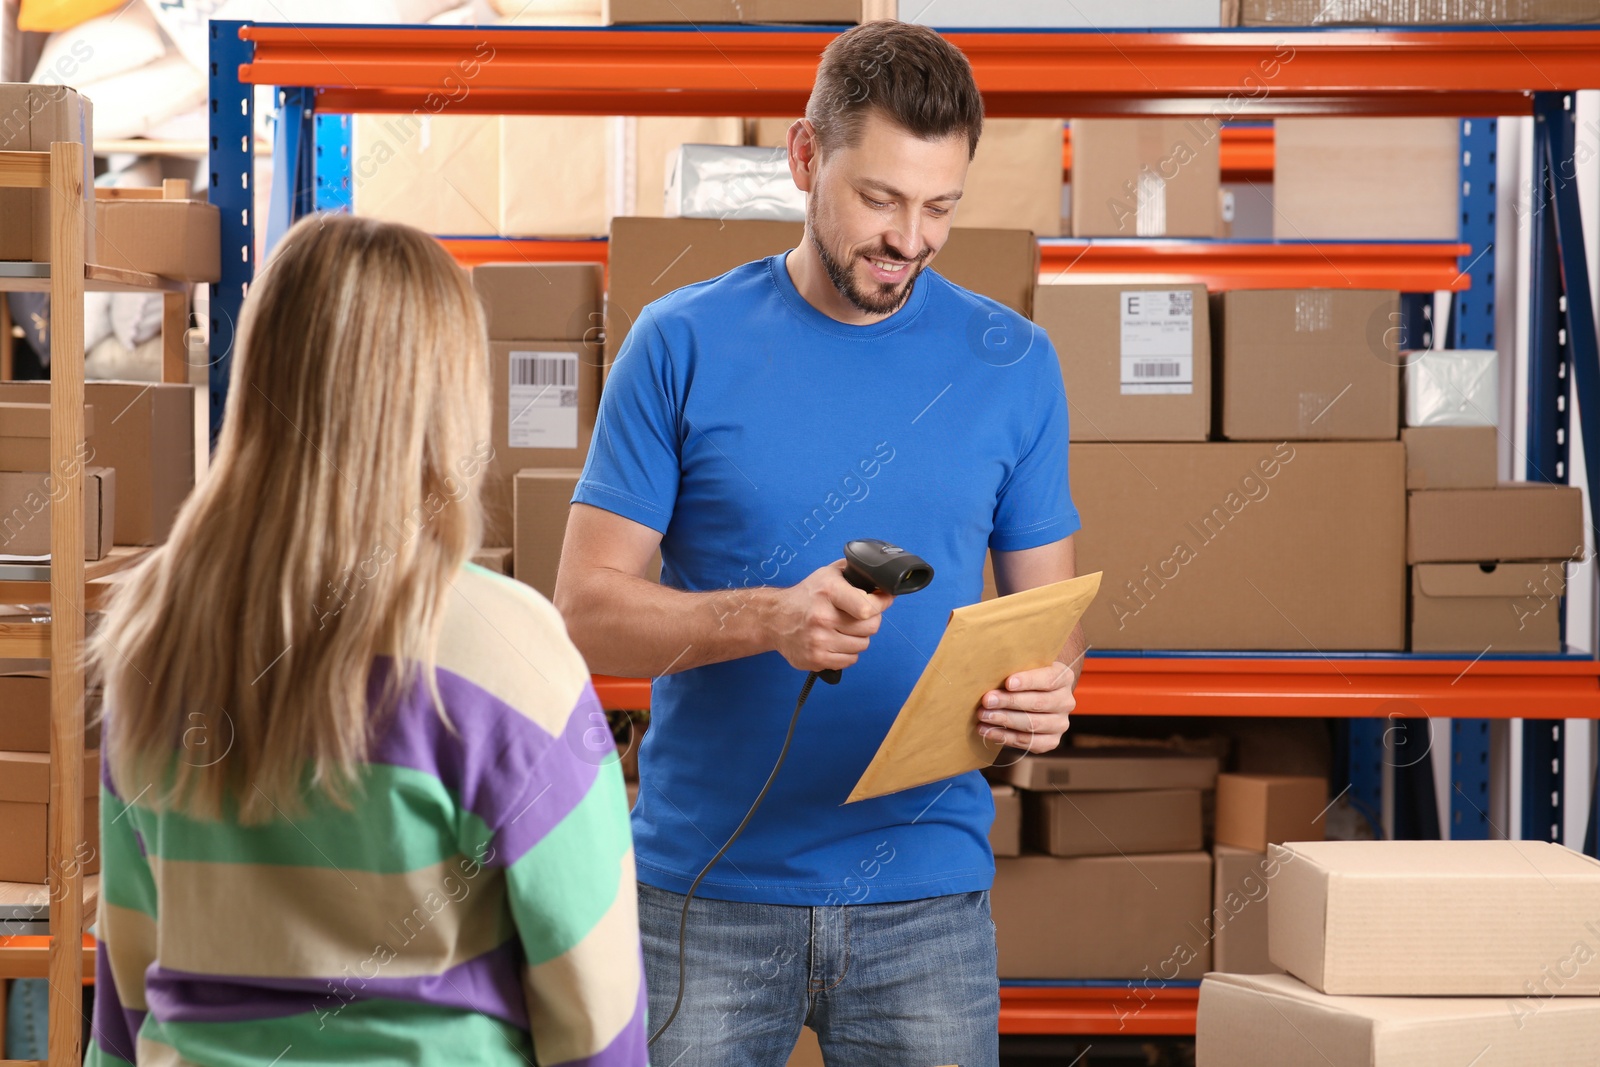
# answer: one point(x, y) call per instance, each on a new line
point(1452, 387)
point(733, 182)
point(100, 48)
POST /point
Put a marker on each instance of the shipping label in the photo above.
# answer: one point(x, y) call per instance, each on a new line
point(543, 400)
point(1157, 341)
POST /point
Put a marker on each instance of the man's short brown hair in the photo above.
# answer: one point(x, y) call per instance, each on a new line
point(909, 73)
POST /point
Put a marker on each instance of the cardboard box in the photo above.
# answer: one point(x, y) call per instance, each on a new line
point(1437, 918)
point(1146, 178)
point(31, 117)
point(1416, 12)
point(497, 560)
point(25, 434)
point(179, 239)
point(1123, 822)
point(439, 173)
point(1005, 836)
point(1257, 810)
point(25, 512)
point(1451, 457)
point(1367, 178)
point(1272, 1020)
point(652, 257)
point(25, 713)
point(24, 815)
point(555, 175)
point(830, 12)
point(1475, 607)
point(1513, 521)
point(1102, 769)
point(146, 430)
point(1241, 886)
point(1077, 15)
point(652, 140)
point(548, 301)
point(1205, 546)
point(1135, 359)
point(543, 498)
point(1103, 916)
point(1309, 364)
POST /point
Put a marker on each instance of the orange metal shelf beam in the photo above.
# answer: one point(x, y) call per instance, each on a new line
point(472, 251)
point(1225, 73)
point(1248, 153)
point(1110, 1010)
point(1410, 268)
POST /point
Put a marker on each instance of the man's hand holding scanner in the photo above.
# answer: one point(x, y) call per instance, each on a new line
point(824, 622)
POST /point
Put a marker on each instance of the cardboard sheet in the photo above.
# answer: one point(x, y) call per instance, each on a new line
point(936, 733)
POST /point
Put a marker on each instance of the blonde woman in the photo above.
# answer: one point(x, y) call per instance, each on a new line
point(356, 806)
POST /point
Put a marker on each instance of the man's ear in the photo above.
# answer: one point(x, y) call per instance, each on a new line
point(803, 154)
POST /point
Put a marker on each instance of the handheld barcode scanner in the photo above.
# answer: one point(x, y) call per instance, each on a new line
point(870, 565)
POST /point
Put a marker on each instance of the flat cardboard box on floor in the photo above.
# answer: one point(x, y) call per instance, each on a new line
point(1103, 916)
point(24, 815)
point(831, 12)
point(1309, 364)
point(1416, 12)
point(1135, 359)
point(1366, 178)
point(1257, 810)
point(1102, 769)
point(1240, 889)
point(25, 435)
point(1205, 546)
point(1146, 177)
point(179, 239)
point(543, 498)
point(25, 713)
point(25, 498)
point(1475, 607)
point(36, 115)
point(1451, 457)
point(1113, 823)
point(1272, 1020)
point(1436, 918)
point(439, 173)
point(1514, 521)
point(548, 301)
point(1005, 835)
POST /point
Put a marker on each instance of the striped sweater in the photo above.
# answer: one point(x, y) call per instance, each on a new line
point(476, 905)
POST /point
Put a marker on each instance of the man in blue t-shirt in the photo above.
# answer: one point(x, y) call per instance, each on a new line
point(751, 425)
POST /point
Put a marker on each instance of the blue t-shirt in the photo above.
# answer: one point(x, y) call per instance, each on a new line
point(758, 435)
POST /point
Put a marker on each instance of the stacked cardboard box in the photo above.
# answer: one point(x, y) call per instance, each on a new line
point(1416, 953)
point(25, 816)
point(177, 238)
point(1416, 12)
point(28, 485)
point(25, 712)
point(1366, 178)
point(1146, 178)
point(830, 12)
point(35, 116)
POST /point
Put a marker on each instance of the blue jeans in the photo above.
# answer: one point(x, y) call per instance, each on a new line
point(907, 984)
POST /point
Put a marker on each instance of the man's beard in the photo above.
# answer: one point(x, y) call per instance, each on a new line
point(876, 299)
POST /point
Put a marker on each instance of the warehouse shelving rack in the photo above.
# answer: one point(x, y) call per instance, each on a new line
point(326, 73)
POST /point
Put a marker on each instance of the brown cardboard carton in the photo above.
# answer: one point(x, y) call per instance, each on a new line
point(1005, 836)
point(1103, 916)
point(497, 560)
point(830, 12)
point(1204, 546)
point(439, 173)
point(1475, 607)
point(1373, 178)
point(1101, 769)
point(1241, 887)
point(32, 116)
point(1123, 822)
point(179, 239)
point(1146, 178)
point(1513, 521)
point(24, 815)
point(552, 301)
point(543, 498)
point(1257, 810)
point(1416, 12)
point(25, 435)
point(1273, 1020)
point(1436, 918)
point(555, 174)
point(651, 257)
point(546, 395)
point(1451, 457)
point(25, 713)
point(1135, 359)
point(25, 512)
point(1309, 364)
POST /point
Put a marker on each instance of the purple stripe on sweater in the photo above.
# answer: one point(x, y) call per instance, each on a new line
point(490, 984)
point(631, 1046)
point(114, 1026)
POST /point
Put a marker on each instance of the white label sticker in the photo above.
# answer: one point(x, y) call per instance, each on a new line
point(543, 400)
point(1157, 341)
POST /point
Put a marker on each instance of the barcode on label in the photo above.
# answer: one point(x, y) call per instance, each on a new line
point(1158, 368)
point(531, 369)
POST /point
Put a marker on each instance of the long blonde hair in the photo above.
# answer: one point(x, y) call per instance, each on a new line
point(342, 499)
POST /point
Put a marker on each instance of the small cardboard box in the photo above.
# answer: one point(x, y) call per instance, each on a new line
point(1102, 769)
point(1451, 457)
point(1103, 916)
point(1135, 359)
point(543, 498)
point(1146, 177)
point(497, 560)
point(548, 301)
point(1005, 836)
point(25, 713)
point(179, 239)
point(24, 815)
point(25, 512)
point(439, 173)
point(1514, 521)
point(36, 115)
point(1121, 822)
point(1309, 364)
point(1475, 607)
point(1437, 918)
point(1273, 1020)
point(25, 435)
point(829, 12)
point(1396, 179)
point(1416, 12)
point(1257, 810)
point(1240, 890)
point(555, 175)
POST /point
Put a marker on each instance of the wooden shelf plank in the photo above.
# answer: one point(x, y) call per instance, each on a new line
point(24, 170)
point(20, 277)
point(119, 558)
point(24, 640)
